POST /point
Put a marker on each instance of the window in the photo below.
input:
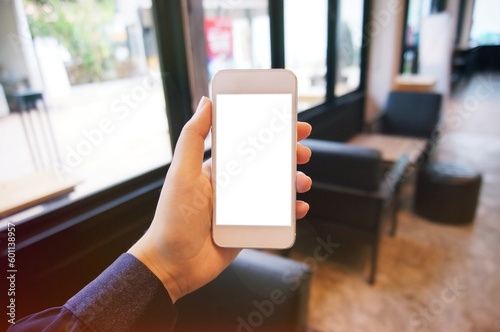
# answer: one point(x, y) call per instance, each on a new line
point(417, 11)
point(485, 26)
point(225, 34)
point(349, 44)
point(236, 35)
point(115, 135)
point(305, 48)
point(91, 67)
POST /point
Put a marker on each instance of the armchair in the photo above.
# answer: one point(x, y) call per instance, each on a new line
point(351, 194)
point(414, 114)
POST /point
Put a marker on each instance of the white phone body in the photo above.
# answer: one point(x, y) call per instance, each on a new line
point(254, 136)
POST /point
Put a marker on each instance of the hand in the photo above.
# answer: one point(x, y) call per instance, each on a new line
point(178, 247)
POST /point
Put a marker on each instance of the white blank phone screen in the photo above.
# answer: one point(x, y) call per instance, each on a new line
point(254, 158)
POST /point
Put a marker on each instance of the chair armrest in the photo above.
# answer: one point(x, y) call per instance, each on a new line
point(343, 206)
point(374, 125)
point(392, 178)
point(386, 189)
point(353, 206)
point(257, 286)
point(326, 187)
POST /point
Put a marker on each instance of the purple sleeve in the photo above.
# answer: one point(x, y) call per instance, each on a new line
point(127, 296)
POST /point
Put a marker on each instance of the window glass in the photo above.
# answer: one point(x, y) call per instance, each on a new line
point(485, 25)
point(88, 73)
point(349, 42)
point(305, 48)
point(237, 34)
point(417, 11)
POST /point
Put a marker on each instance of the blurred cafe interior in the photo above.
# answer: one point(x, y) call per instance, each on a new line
point(403, 231)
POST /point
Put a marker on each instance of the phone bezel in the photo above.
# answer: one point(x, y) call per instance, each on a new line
point(254, 81)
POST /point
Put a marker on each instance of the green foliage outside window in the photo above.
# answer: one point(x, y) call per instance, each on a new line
point(80, 26)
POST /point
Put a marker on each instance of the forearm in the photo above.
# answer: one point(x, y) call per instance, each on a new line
point(127, 296)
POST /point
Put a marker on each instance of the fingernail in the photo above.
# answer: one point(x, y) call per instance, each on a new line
point(203, 101)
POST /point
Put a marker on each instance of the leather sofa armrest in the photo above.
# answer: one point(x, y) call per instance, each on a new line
point(258, 291)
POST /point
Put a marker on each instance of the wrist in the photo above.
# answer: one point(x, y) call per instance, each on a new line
point(158, 269)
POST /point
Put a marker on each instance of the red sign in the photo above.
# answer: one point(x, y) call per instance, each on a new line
point(219, 37)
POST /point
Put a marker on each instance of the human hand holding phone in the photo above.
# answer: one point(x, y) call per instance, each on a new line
point(254, 136)
point(178, 246)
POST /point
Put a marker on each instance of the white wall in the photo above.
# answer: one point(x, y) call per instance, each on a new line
point(385, 36)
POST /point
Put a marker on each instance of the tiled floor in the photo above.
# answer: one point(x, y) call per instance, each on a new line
point(431, 277)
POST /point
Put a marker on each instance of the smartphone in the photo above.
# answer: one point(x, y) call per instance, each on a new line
point(254, 136)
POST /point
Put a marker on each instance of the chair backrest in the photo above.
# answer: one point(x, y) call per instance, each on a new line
point(344, 165)
point(413, 114)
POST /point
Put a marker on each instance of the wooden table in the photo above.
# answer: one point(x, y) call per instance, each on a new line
point(33, 189)
point(414, 83)
point(391, 147)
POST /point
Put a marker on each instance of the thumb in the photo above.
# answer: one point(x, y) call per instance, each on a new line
point(188, 155)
